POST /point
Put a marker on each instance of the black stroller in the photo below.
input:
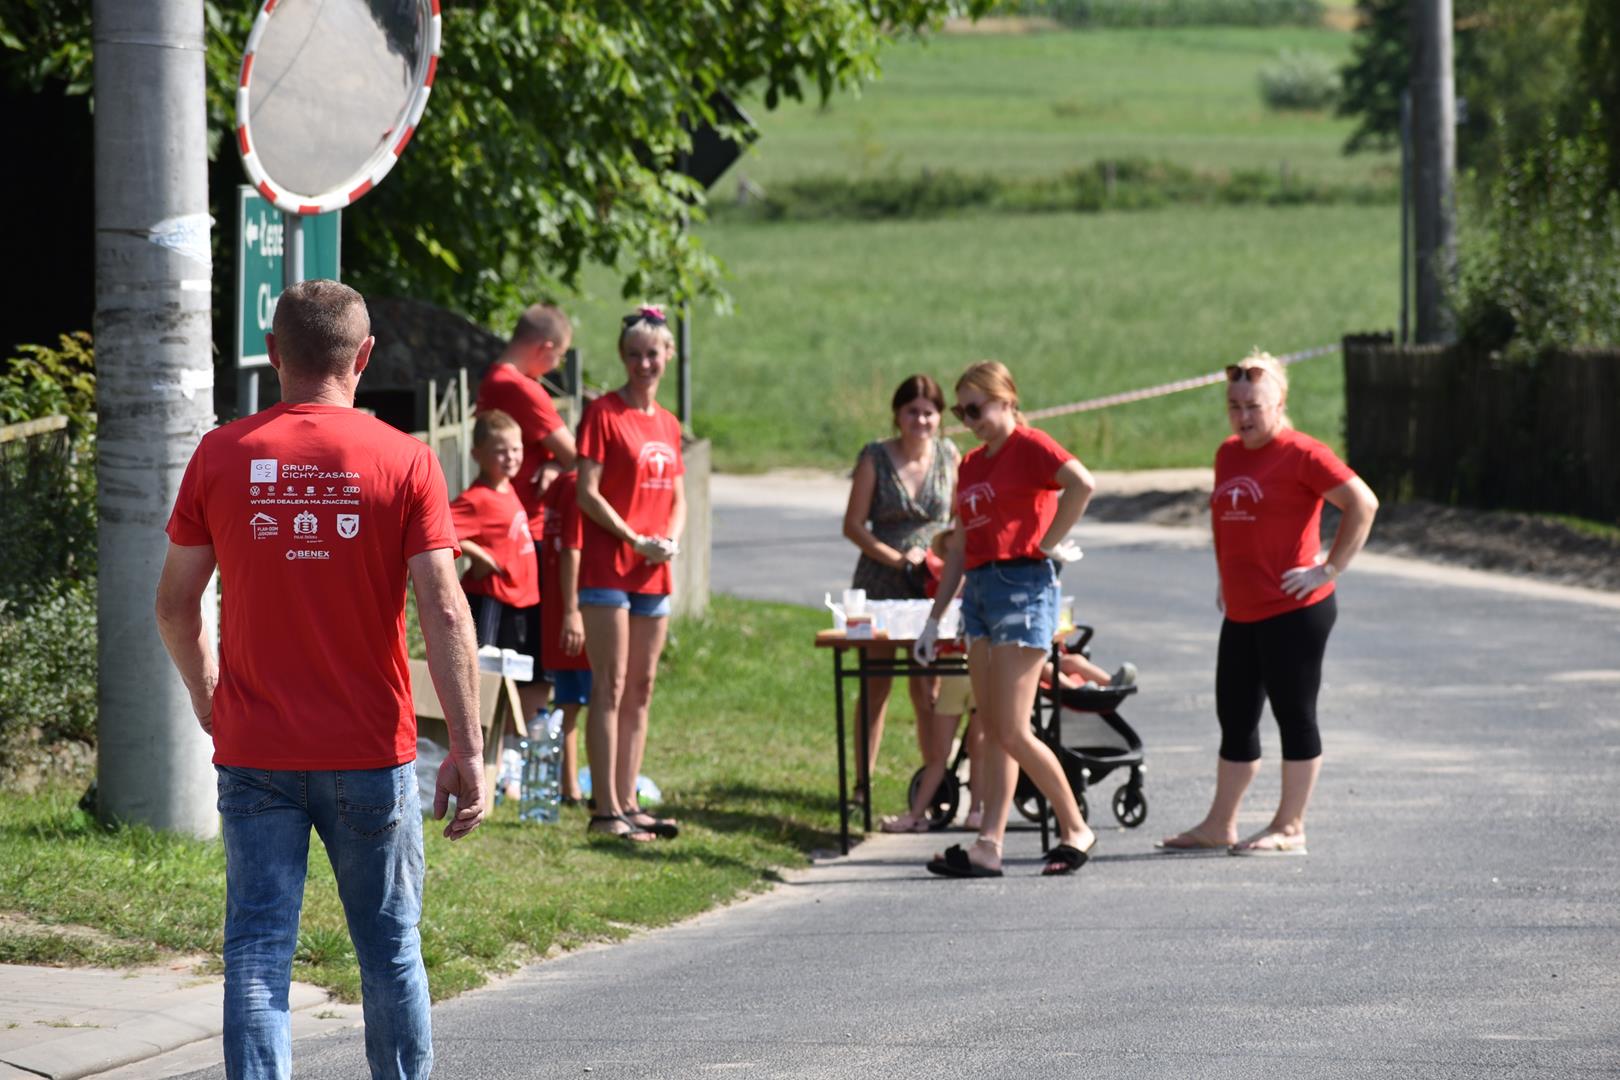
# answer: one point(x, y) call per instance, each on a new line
point(1090, 738)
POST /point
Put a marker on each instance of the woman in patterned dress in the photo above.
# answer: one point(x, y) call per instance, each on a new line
point(900, 497)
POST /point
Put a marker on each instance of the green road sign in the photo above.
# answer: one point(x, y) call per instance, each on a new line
point(258, 267)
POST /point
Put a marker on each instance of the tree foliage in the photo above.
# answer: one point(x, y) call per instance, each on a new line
point(1515, 63)
point(550, 133)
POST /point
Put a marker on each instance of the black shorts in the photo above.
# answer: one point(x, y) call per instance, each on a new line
point(506, 627)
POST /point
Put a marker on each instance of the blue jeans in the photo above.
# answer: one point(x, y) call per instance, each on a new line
point(370, 821)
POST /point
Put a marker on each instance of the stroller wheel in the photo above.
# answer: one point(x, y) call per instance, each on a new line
point(942, 808)
point(1130, 806)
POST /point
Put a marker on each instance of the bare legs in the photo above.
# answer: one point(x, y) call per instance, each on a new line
point(1005, 679)
point(624, 652)
point(570, 753)
point(1232, 780)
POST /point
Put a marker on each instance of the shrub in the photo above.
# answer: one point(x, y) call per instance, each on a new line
point(1539, 257)
point(48, 679)
point(1126, 14)
point(1299, 79)
point(48, 483)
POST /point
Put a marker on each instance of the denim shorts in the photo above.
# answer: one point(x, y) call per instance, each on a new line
point(572, 687)
point(1012, 605)
point(645, 604)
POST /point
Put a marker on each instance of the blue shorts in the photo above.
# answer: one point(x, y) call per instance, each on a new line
point(1012, 605)
point(570, 687)
point(645, 604)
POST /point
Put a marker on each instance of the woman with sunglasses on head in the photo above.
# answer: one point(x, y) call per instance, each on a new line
point(632, 494)
point(1276, 590)
point(1017, 497)
point(899, 499)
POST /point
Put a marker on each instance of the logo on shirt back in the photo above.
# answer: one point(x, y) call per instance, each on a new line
point(262, 471)
point(1230, 497)
point(656, 464)
point(974, 501)
point(263, 526)
point(305, 524)
point(348, 525)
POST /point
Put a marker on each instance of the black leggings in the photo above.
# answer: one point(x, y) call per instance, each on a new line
point(1278, 658)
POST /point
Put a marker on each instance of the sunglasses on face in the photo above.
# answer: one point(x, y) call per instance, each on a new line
point(1235, 373)
point(969, 414)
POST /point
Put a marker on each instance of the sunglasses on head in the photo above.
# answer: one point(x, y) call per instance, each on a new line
point(1237, 373)
point(969, 414)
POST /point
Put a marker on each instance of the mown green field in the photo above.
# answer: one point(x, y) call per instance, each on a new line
point(1045, 102)
point(829, 315)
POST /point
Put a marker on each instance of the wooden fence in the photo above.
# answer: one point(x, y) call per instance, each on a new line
point(1456, 426)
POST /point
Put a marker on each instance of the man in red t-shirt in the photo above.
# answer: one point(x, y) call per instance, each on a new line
point(315, 514)
point(512, 385)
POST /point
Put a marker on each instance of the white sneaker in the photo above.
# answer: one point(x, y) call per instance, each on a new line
point(1125, 676)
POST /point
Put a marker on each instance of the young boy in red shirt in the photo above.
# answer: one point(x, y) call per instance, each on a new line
point(562, 629)
point(492, 527)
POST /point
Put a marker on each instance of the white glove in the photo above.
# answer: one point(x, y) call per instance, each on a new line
point(927, 647)
point(1301, 581)
point(1064, 552)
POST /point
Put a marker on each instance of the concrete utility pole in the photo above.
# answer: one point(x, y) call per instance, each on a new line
point(1434, 108)
point(154, 393)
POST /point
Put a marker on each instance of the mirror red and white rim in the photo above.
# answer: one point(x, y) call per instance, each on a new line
point(374, 170)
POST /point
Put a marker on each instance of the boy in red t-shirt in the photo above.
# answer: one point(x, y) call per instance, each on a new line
point(492, 527)
point(562, 629)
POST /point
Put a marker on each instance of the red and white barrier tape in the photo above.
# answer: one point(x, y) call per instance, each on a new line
point(293, 202)
point(1161, 390)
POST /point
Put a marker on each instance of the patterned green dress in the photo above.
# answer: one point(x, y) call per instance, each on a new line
point(902, 521)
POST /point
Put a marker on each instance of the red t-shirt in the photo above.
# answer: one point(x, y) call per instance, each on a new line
point(312, 511)
point(523, 399)
point(1006, 503)
point(562, 531)
point(497, 522)
point(1267, 513)
point(640, 457)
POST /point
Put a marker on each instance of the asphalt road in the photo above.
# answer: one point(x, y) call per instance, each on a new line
point(1458, 916)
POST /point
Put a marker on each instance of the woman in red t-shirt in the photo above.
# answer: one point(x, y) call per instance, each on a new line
point(1276, 590)
point(633, 498)
point(1017, 497)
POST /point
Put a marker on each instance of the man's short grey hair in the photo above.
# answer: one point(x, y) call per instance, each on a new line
point(319, 325)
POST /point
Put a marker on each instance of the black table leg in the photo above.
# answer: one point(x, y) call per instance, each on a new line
point(843, 769)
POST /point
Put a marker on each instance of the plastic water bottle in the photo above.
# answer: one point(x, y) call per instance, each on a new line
point(542, 769)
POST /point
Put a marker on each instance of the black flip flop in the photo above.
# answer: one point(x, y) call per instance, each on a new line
point(663, 828)
point(1071, 857)
point(956, 864)
point(629, 836)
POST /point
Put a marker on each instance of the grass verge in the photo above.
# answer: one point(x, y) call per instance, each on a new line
point(741, 745)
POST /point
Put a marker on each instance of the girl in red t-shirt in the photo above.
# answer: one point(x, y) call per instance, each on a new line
point(1017, 497)
point(633, 497)
point(1276, 590)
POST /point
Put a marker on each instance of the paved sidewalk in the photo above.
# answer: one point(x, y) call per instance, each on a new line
point(66, 1023)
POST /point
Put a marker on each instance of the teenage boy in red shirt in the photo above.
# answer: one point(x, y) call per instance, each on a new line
point(492, 527)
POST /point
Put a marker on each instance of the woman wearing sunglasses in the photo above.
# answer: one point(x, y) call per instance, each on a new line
point(1276, 590)
point(1017, 497)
